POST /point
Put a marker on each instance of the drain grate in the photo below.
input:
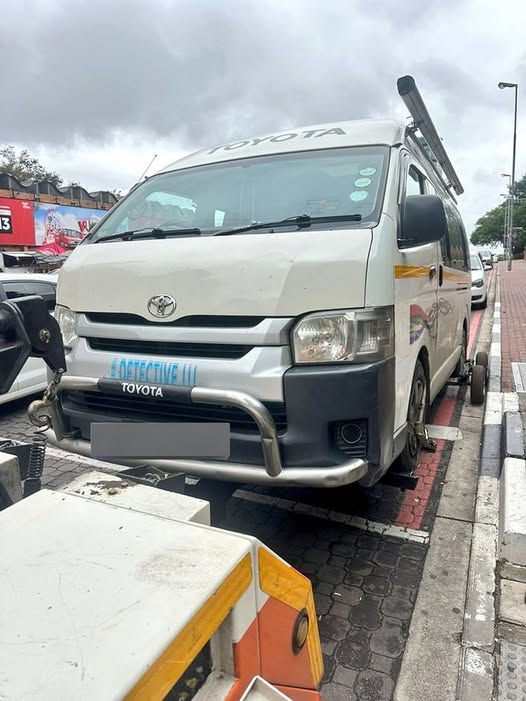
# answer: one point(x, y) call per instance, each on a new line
point(512, 672)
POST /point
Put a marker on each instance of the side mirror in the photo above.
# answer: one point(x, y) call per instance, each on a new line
point(423, 220)
point(27, 329)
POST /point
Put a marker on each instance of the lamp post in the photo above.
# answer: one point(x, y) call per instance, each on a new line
point(506, 241)
point(512, 192)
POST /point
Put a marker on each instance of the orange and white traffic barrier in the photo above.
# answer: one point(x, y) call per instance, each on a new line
point(119, 591)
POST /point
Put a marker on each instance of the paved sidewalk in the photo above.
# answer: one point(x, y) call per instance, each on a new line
point(511, 554)
point(513, 316)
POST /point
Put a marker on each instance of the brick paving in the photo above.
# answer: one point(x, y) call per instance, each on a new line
point(365, 587)
point(513, 318)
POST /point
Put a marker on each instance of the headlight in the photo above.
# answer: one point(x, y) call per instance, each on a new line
point(357, 336)
point(67, 321)
point(478, 283)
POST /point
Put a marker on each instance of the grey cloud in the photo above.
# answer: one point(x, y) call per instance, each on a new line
point(199, 70)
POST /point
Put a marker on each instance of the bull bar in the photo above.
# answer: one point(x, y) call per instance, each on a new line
point(48, 415)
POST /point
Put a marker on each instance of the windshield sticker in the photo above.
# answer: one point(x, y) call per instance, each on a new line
point(362, 182)
point(359, 195)
point(317, 207)
point(368, 171)
point(153, 371)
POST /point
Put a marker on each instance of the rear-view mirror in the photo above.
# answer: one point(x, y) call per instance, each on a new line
point(423, 220)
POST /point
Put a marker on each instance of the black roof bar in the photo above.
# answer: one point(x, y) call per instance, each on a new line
point(422, 121)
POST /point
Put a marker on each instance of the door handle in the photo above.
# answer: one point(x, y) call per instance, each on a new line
point(440, 275)
point(432, 271)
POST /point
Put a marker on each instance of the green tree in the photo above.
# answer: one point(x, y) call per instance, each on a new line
point(489, 229)
point(25, 167)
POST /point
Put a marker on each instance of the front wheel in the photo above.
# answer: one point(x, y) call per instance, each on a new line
point(416, 417)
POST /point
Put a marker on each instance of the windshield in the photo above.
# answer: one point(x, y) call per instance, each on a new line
point(224, 196)
point(475, 262)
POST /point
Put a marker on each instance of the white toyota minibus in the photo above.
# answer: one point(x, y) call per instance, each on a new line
point(310, 287)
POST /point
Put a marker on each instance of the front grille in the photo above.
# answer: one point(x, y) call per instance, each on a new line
point(228, 351)
point(138, 409)
point(197, 320)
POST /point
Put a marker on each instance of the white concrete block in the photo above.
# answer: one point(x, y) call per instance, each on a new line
point(493, 413)
point(126, 494)
point(512, 529)
point(479, 616)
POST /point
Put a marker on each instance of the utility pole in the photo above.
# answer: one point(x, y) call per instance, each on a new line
point(512, 193)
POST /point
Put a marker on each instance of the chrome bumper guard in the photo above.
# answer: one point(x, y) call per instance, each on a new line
point(48, 414)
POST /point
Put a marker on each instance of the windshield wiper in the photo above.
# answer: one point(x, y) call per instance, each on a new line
point(148, 232)
point(303, 221)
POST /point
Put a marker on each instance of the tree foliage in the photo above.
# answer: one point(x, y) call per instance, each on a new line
point(25, 167)
point(489, 229)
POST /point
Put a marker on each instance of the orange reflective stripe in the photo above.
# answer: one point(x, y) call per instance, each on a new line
point(168, 668)
point(282, 582)
point(404, 271)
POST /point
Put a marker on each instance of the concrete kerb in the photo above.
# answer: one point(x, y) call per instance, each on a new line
point(460, 651)
point(477, 668)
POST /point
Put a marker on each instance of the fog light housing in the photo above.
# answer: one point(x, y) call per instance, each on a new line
point(300, 632)
point(351, 433)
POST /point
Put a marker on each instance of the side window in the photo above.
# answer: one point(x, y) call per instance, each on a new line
point(457, 239)
point(17, 288)
point(444, 247)
point(465, 245)
point(414, 183)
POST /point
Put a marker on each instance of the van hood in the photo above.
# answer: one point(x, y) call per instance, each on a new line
point(281, 274)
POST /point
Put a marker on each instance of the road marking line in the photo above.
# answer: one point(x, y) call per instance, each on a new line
point(363, 524)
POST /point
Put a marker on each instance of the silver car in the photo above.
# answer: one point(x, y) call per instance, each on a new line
point(479, 283)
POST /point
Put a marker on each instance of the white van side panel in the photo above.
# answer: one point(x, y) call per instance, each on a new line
point(416, 318)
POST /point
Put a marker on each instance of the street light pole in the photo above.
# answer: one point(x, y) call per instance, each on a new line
point(506, 238)
point(512, 193)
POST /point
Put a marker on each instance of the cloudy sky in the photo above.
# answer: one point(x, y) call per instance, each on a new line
point(95, 88)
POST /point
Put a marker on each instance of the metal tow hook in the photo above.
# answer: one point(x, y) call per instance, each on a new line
point(46, 412)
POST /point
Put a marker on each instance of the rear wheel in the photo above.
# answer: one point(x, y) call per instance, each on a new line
point(416, 417)
point(461, 365)
point(478, 384)
point(482, 359)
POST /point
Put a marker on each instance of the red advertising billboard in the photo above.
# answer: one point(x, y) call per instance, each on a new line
point(17, 225)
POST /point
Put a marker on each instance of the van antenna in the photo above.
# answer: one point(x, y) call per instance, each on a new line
point(147, 168)
point(422, 121)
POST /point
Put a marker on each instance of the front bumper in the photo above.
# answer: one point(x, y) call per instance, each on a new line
point(305, 452)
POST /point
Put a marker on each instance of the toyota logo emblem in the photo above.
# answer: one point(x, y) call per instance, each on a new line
point(162, 306)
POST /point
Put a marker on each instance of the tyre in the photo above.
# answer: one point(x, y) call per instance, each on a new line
point(484, 304)
point(482, 359)
point(478, 384)
point(416, 418)
point(459, 367)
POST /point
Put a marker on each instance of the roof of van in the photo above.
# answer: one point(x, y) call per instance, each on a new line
point(318, 136)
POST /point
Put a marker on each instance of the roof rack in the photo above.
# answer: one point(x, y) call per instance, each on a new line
point(430, 142)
